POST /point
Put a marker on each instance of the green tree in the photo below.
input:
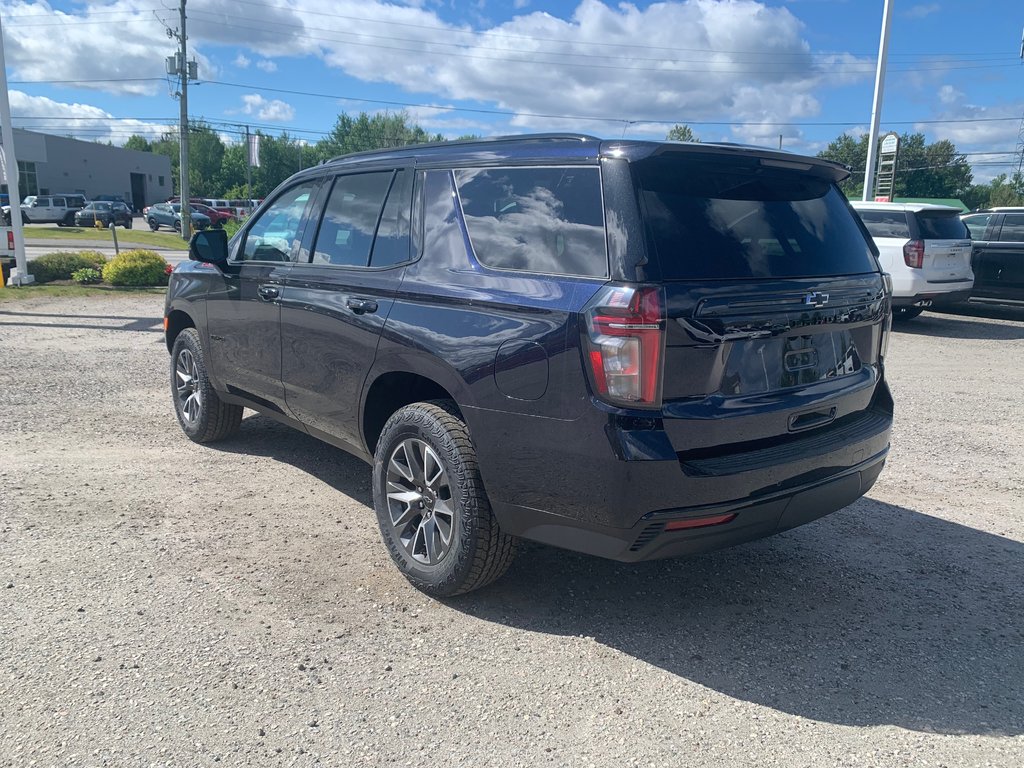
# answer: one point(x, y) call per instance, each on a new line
point(922, 169)
point(681, 133)
point(1006, 191)
point(365, 132)
point(138, 143)
point(205, 156)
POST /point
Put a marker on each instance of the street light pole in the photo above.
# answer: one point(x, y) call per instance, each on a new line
point(876, 107)
point(21, 275)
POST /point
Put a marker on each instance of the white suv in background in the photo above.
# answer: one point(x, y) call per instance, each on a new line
point(927, 250)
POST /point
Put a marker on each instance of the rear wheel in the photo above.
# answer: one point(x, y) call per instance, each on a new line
point(204, 418)
point(433, 513)
point(128, 224)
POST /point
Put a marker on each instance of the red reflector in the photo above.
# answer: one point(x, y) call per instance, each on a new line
point(699, 522)
point(10, 240)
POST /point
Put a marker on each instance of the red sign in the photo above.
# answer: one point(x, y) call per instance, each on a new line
point(882, 199)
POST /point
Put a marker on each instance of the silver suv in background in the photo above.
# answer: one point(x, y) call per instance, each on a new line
point(48, 209)
point(927, 250)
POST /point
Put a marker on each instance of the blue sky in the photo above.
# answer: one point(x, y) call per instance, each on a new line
point(735, 70)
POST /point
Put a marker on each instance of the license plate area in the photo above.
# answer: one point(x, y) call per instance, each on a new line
point(764, 365)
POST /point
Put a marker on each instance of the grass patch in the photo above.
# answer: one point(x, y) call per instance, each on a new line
point(140, 236)
point(71, 290)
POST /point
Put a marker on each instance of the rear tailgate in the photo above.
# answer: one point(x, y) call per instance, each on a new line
point(775, 303)
point(947, 246)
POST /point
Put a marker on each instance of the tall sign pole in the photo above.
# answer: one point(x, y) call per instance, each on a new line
point(876, 107)
point(20, 276)
point(186, 199)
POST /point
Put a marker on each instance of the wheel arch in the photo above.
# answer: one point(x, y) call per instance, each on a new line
point(175, 322)
point(392, 389)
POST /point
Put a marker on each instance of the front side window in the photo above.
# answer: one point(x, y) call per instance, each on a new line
point(350, 219)
point(536, 219)
point(886, 223)
point(272, 236)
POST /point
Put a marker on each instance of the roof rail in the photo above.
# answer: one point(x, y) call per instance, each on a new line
point(463, 142)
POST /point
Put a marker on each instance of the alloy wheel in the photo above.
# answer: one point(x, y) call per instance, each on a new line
point(190, 397)
point(420, 503)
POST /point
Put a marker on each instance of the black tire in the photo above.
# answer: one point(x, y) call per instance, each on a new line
point(177, 225)
point(128, 224)
point(207, 419)
point(153, 225)
point(902, 314)
point(478, 551)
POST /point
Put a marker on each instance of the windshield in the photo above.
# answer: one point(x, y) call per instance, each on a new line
point(707, 221)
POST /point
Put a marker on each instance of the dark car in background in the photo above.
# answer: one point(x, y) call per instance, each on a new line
point(998, 259)
point(109, 214)
point(169, 215)
point(630, 349)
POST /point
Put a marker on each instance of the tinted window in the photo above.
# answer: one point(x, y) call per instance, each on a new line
point(711, 221)
point(977, 224)
point(272, 235)
point(547, 220)
point(886, 223)
point(350, 219)
point(940, 225)
point(391, 246)
point(58, 202)
point(1013, 228)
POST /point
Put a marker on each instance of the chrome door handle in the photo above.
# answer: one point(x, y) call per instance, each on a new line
point(359, 306)
point(268, 292)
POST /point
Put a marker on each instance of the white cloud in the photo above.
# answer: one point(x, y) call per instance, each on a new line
point(271, 110)
point(82, 121)
point(921, 10)
point(520, 4)
point(949, 95)
point(242, 61)
point(266, 65)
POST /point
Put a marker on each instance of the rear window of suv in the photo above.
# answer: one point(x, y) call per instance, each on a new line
point(940, 225)
point(709, 220)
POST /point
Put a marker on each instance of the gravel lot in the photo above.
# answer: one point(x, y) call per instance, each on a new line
point(163, 603)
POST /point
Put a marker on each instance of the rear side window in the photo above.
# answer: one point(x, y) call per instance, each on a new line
point(709, 220)
point(391, 245)
point(940, 225)
point(886, 223)
point(1013, 228)
point(350, 219)
point(536, 219)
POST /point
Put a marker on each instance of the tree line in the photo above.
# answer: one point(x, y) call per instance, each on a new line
point(218, 169)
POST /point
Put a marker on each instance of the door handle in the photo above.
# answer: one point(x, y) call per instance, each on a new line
point(268, 292)
point(359, 306)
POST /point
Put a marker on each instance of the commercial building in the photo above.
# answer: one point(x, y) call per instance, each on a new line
point(50, 165)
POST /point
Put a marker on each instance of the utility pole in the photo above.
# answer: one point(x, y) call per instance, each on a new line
point(248, 167)
point(876, 107)
point(186, 199)
point(21, 275)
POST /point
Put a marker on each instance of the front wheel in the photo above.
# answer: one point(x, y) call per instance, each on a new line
point(431, 506)
point(153, 225)
point(203, 416)
point(177, 226)
point(128, 224)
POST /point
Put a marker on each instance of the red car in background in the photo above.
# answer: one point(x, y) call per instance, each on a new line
point(218, 217)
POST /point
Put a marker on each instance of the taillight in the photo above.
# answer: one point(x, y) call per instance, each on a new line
point(887, 322)
point(913, 254)
point(10, 239)
point(625, 344)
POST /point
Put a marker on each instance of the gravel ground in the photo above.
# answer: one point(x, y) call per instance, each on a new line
point(163, 603)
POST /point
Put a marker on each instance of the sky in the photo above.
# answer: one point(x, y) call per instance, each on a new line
point(733, 70)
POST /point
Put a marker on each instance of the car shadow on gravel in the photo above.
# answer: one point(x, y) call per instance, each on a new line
point(878, 615)
point(28, 320)
point(262, 436)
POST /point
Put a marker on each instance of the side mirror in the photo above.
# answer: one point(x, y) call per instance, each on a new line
point(210, 246)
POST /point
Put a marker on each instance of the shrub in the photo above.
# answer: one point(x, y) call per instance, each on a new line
point(60, 265)
point(231, 226)
point(138, 267)
point(87, 276)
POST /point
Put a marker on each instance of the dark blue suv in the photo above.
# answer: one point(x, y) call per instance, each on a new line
point(631, 349)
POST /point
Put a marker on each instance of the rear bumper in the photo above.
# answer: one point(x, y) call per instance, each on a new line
point(931, 298)
point(570, 485)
